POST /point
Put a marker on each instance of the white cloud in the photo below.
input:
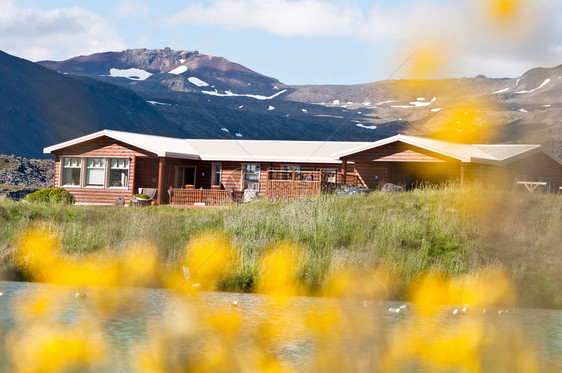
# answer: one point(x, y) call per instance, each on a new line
point(308, 18)
point(38, 34)
point(458, 27)
point(130, 8)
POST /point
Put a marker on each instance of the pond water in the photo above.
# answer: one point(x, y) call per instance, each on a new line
point(300, 330)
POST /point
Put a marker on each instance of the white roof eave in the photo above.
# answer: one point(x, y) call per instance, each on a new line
point(400, 138)
point(231, 158)
point(108, 133)
point(78, 140)
point(194, 157)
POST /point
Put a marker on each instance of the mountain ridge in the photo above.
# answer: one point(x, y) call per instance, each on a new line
point(190, 94)
point(523, 109)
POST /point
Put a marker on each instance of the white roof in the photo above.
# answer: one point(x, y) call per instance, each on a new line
point(476, 153)
point(272, 150)
point(300, 151)
point(225, 150)
point(159, 145)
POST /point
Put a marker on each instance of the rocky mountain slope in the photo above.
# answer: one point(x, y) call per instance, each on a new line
point(212, 97)
point(20, 176)
point(40, 107)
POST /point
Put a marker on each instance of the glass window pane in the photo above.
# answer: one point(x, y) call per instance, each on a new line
point(114, 163)
point(94, 176)
point(71, 176)
point(120, 178)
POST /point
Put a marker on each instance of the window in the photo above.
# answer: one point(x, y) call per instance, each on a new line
point(216, 174)
point(291, 167)
point(251, 177)
point(95, 171)
point(119, 172)
point(72, 168)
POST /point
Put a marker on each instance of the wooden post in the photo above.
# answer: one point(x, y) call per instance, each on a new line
point(462, 174)
point(161, 191)
point(344, 166)
point(293, 184)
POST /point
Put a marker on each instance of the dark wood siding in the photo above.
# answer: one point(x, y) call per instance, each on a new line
point(400, 163)
point(537, 167)
point(146, 173)
point(231, 175)
point(103, 147)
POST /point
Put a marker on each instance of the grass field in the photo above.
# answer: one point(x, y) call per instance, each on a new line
point(450, 230)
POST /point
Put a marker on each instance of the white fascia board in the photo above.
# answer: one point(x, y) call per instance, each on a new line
point(226, 158)
point(538, 149)
point(361, 148)
point(78, 140)
point(108, 133)
point(490, 162)
point(194, 157)
point(403, 139)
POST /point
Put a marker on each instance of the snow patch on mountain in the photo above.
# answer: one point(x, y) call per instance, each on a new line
point(437, 109)
point(133, 74)
point(198, 82)
point(502, 90)
point(546, 81)
point(178, 70)
point(366, 127)
point(304, 111)
point(229, 93)
point(420, 104)
point(238, 134)
point(225, 129)
point(271, 107)
point(384, 102)
point(158, 103)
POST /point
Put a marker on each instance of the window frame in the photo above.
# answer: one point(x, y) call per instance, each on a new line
point(84, 169)
point(104, 168)
point(62, 172)
point(110, 169)
point(243, 179)
point(214, 166)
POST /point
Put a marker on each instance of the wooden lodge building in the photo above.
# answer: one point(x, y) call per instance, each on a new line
point(100, 167)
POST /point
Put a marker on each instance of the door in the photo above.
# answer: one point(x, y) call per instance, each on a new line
point(251, 177)
point(185, 175)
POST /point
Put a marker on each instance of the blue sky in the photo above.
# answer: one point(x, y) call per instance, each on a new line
point(300, 41)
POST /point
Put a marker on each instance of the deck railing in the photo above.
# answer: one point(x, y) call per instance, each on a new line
point(283, 184)
point(209, 197)
point(293, 183)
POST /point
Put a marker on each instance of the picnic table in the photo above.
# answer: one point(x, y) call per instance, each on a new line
point(531, 185)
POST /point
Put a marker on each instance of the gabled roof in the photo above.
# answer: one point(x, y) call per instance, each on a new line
point(475, 153)
point(159, 145)
point(225, 150)
point(302, 151)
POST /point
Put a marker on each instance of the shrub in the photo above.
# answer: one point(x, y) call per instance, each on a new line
point(51, 195)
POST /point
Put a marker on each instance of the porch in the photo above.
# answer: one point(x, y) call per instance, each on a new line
point(286, 184)
point(203, 197)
